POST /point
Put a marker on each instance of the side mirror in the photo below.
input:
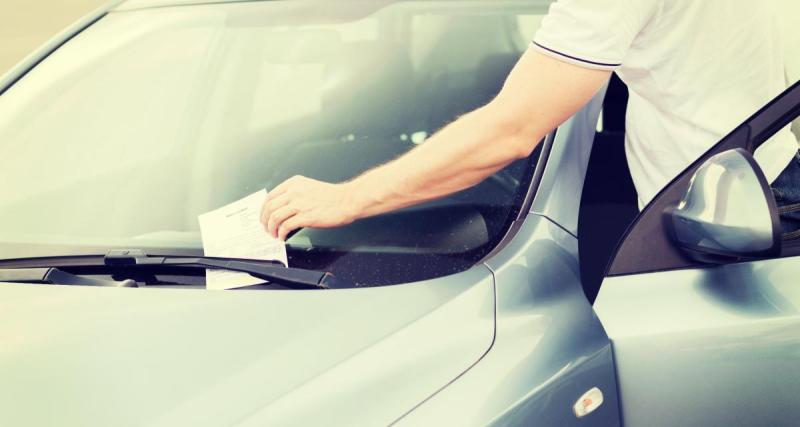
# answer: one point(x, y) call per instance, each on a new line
point(728, 212)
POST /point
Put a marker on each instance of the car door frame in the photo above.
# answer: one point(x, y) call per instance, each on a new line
point(704, 344)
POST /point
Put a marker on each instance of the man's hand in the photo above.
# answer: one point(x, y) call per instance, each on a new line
point(304, 202)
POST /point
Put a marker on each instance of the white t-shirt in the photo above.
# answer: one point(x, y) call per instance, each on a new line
point(695, 69)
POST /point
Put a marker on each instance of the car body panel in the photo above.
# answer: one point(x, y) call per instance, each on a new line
point(714, 347)
point(549, 350)
point(566, 167)
point(703, 343)
point(98, 356)
point(694, 347)
point(109, 356)
point(537, 363)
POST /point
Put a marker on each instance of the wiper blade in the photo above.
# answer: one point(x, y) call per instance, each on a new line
point(269, 271)
point(54, 276)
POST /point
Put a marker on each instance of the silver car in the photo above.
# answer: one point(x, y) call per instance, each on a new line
point(485, 307)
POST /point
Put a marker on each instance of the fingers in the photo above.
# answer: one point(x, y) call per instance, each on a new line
point(281, 213)
point(277, 191)
point(290, 225)
point(271, 205)
point(275, 198)
point(284, 186)
point(278, 217)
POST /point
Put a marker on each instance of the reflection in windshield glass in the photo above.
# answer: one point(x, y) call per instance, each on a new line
point(151, 117)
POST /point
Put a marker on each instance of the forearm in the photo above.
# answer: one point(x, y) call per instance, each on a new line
point(458, 157)
point(539, 94)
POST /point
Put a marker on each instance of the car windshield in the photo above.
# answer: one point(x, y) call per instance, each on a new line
point(151, 116)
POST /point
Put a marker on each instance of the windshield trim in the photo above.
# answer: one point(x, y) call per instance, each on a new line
point(43, 52)
point(525, 207)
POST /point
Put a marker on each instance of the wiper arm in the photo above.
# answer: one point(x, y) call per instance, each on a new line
point(270, 271)
point(54, 276)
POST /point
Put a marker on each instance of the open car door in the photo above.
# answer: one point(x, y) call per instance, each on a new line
point(709, 340)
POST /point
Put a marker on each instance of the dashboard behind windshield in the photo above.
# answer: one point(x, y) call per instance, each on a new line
point(151, 117)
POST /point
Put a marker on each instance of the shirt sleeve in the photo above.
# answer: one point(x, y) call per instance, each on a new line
point(593, 33)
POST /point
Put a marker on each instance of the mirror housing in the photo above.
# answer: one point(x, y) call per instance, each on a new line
point(728, 213)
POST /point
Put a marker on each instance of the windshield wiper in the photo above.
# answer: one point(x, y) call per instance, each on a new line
point(54, 276)
point(273, 272)
point(269, 271)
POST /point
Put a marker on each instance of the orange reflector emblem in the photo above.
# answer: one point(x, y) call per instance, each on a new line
point(590, 401)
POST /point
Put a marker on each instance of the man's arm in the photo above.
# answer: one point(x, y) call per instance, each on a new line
point(539, 95)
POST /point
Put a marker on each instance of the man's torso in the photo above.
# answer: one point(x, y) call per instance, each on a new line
point(696, 69)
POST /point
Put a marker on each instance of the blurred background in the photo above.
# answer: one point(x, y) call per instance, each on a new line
point(26, 24)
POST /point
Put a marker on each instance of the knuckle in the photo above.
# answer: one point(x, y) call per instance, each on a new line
point(283, 232)
point(287, 225)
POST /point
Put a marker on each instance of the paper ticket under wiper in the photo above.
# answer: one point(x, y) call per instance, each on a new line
point(235, 231)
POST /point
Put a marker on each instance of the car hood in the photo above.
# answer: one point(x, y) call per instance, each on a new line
point(111, 356)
